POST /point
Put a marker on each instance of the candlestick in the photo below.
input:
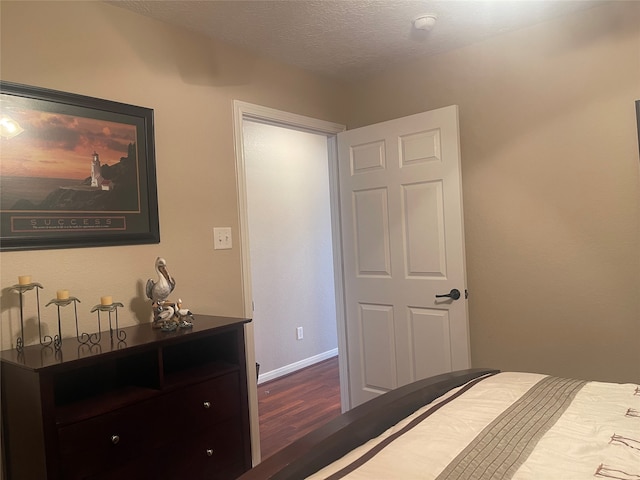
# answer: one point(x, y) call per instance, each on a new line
point(62, 300)
point(95, 338)
point(106, 300)
point(26, 285)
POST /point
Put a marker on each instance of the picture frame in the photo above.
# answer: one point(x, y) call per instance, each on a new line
point(75, 171)
point(638, 122)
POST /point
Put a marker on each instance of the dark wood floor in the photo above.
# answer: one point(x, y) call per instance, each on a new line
point(293, 405)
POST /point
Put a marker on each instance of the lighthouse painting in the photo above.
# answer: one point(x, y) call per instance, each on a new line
point(74, 170)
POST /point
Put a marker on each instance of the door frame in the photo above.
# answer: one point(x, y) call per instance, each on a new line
point(246, 111)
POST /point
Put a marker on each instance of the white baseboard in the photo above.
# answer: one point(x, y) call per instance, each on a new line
point(279, 372)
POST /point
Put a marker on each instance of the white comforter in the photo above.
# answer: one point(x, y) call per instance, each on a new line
point(597, 436)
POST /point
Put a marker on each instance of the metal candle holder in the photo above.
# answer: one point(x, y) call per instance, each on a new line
point(84, 339)
point(57, 339)
point(95, 338)
point(22, 289)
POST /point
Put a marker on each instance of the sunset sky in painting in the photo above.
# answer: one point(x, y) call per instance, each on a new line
point(61, 146)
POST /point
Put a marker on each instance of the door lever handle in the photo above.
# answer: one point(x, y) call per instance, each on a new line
point(454, 294)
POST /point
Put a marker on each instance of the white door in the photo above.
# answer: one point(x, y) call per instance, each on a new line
point(403, 244)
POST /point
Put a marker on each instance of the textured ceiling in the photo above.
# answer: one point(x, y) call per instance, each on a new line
point(350, 39)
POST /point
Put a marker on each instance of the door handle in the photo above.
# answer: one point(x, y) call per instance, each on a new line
point(454, 294)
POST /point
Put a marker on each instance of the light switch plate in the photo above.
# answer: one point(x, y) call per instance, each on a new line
point(222, 238)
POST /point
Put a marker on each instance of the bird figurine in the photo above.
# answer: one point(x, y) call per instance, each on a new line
point(164, 312)
point(184, 314)
point(164, 316)
point(159, 290)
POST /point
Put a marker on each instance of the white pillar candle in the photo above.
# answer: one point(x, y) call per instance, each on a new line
point(24, 279)
point(107, 300)
point(62, 294)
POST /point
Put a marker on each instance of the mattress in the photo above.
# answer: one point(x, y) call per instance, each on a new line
point(519, 426)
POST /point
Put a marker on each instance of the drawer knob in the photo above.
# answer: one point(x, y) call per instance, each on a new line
point(207, 404)
point(115, 439)
point(209, 452)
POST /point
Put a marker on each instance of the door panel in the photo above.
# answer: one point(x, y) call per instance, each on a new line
point(433, 324)
point(379, 353)
point(370, 212)
point(401, 212)
point(420, 147)
point(423, 216)
point(367, 157)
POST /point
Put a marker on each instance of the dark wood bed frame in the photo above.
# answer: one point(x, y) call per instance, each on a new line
point(353, 428)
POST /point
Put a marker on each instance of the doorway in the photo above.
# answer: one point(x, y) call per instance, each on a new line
point(290, 250)
point(257, 124)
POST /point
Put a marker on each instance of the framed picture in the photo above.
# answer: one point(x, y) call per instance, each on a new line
point(75, 171)
point(638, 121)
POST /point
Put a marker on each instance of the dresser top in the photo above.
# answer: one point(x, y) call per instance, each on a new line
point(138, 338)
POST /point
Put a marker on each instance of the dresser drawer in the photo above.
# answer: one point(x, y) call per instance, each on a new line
point(113, 438)
point(215, 454)
point(202, 405)
point(121, 436)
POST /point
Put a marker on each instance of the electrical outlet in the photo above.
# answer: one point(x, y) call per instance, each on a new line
point(222, 238)
point(299, 333)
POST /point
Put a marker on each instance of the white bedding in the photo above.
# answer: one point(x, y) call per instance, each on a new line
point(597, 436)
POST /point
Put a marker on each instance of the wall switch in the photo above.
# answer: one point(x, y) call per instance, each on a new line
point(222, 238)
point(299, 333)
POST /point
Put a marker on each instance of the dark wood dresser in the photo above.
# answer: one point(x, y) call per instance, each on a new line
point(158, 405)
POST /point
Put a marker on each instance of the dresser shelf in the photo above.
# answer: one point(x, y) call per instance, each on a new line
point(155, 405)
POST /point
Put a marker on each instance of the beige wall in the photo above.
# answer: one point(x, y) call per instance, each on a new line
point(551, 187)
point(550, 169)
point(99, 50)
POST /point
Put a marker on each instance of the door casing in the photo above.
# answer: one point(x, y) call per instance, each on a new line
point(242, 111)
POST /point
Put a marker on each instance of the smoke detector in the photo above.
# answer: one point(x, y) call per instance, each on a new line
point(425, 22)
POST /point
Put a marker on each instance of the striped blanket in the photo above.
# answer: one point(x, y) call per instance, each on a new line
point(516, 426)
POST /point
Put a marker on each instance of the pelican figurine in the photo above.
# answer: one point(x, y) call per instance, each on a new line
point(184, 314)
point(159, 291)
point(164, 313)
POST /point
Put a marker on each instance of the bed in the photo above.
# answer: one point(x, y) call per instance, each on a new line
point(475, 424)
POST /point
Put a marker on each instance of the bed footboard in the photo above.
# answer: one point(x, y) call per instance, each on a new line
point(353, 428)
